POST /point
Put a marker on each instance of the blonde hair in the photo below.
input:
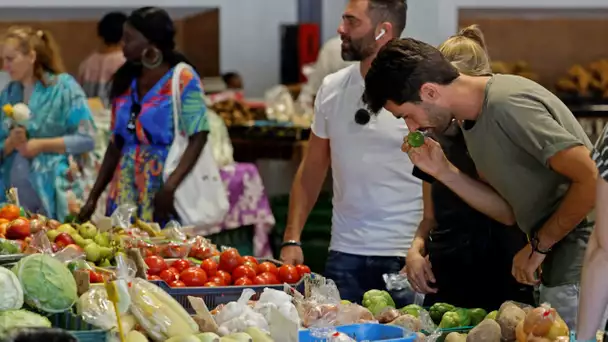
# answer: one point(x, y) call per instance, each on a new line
point(467, 52)
point(48, 58)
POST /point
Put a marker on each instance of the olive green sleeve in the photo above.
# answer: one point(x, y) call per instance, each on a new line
point(531, 126)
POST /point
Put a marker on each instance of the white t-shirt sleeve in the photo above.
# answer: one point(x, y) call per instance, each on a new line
point(319, 121)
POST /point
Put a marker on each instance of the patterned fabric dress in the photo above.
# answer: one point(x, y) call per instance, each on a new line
point(139, 174)
point(47, 183)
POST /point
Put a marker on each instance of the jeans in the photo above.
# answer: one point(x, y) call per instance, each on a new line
point(356, 274)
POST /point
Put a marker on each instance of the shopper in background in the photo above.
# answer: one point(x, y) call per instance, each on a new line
point(96, 71)
point(524, 141)
point(142, 121)
point(376, 200)
point(36, 153)
point(594, 282)
point(458, 236)
point(233, 80)
point(329, 61)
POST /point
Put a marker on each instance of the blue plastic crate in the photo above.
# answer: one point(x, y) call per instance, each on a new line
point(80, 329)
point(367, 332)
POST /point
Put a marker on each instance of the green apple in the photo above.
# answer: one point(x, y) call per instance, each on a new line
point(93, 252)
point(87, 230)
point(52, 234)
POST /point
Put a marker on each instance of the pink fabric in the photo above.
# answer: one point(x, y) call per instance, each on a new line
point(97, 70)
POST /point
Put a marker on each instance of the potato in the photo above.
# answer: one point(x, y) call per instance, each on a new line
point(455, 337)
point(508, 317)
point(486, 331)
point(407, 321)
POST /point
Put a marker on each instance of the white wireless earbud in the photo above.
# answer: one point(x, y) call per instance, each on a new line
point(382, 33)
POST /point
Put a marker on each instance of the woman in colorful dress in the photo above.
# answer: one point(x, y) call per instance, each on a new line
point(142, 121)
point(37, 153)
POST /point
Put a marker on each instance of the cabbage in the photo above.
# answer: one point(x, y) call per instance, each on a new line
point(14, 319)
point(48, 284)
point(11, 293)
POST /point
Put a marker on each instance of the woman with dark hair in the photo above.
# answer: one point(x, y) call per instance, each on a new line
point(142, 121)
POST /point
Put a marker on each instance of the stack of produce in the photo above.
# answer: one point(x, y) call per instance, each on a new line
point(586, 81)
point(227, 268)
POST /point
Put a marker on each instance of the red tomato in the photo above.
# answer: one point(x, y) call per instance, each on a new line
point(230, 259)
point(252, 265)
point(154, 277)
point(243, 271)
point(95, 277)
point(271, 278)
point(169, 275)
point(193, 276)
point(211, 284)
point(244, 281)
point(302, 269)
point(155, 264)
point(289, 274)
point(218, 280)
point(260, 280)
point(251, 259)
point(180, 265)
point(177, 283)
point(267, 266)
point(210, 267)
point(226, 276)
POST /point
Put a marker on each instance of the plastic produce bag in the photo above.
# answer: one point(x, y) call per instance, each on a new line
point(9, 247)
point(541, 322)
point(399, 282)
point(351, 313)
point(279, 104)
point(279, 300)
point(238, 316)
point(94, 305)
point(319, 312)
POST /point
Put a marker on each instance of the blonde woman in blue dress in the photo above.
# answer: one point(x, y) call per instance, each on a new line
point(36, 154)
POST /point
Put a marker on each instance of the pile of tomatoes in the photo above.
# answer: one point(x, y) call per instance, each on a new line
point(229, 268)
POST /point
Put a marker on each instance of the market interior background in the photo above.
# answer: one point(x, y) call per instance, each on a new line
point(560, 43)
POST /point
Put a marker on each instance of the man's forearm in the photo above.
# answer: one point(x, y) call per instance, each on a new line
point(422, 234)
point(576, 205)
point(304, 194)
point(478, 195)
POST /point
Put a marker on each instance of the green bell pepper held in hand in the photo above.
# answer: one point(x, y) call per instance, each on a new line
point(415, 139)
point(438, 310)
point(376, 300)
point(450, 320)
point(477, 315)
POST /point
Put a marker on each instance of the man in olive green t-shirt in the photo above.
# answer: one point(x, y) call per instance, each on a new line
point(527, 145)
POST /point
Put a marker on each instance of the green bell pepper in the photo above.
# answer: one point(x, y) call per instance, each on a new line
point(492, 315)
point(411, 309)
point(450, 320)
point(477, 315)
point(438, 310)
point(376, 300)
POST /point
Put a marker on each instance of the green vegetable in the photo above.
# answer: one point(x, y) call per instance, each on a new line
point(411, 309)
point(47, 283)
point(477, 315)
point(11, 293)
point(464, 316)
point(8, 247)
point(415, 139)
point(13, 319)
point(438, 310)
point(450, 320)
point(376, 300)
point(492, 315)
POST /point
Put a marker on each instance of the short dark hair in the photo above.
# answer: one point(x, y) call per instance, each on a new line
point(400, 69)
point(393, 11)
point(110, 26)
point(227, 77)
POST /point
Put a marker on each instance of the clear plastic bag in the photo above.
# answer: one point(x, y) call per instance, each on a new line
point(123, 216)
point(319, 311)
point(541, 322)
point(399, 282)
point(40, 243)
point(94, 305)
point(352, 313)
point(201, 248)
point(238, 316)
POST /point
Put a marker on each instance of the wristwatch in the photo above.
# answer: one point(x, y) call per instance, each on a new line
point(535, 243)
point(291, 243)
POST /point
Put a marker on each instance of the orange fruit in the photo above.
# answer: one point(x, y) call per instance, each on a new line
point(10, 212)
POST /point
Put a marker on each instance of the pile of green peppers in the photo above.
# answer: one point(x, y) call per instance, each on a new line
point(448, 316)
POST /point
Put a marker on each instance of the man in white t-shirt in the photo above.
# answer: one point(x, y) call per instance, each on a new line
point(377, 203)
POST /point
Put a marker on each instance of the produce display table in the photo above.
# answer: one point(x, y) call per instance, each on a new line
point(249, 206)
